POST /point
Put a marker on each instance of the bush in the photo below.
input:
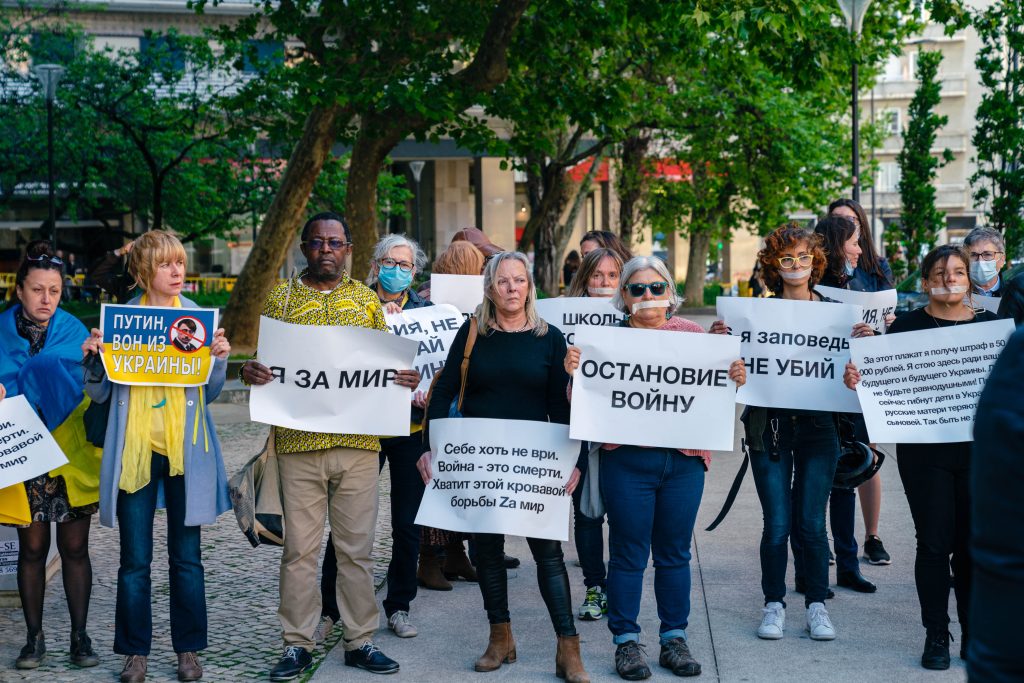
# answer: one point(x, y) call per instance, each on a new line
point(712, 290)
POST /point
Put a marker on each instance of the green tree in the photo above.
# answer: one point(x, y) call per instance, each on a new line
point(920, 221)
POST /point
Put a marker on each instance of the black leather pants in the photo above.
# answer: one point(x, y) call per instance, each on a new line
point(551, 577)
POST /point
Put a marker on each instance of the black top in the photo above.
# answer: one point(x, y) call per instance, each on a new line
point(918, 319)
point(512, 376)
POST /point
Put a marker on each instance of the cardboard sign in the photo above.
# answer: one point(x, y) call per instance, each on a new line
point(464, 292)
point(569, 312)
point(26, 447)
point(434, 329)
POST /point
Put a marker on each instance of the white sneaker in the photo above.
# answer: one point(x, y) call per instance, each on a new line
point(773, 623)
point(322, 629)
point(818, 624)
point(400, 624)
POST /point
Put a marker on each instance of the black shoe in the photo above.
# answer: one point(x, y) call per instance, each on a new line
point(32, 654)
point(963, 645)
point(81, 650)
point(370, 658)
point(631, 662)
point(511, 562)
point(295, 661)
point(855, 581)
point(874, 551)
point(801, 588)
point(675, 655)
point(936, 651)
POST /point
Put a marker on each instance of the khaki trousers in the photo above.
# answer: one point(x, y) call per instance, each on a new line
point(339, 484)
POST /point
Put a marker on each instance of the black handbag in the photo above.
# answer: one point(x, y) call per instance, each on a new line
point(97, 413)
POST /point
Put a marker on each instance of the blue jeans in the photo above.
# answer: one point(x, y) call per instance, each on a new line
point(651, 496)
point(588, 532)
point(799, 460)
point(842, 507)
point(133, 619)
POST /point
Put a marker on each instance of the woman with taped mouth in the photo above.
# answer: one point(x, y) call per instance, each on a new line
point(651, 496)
point(40, 359)
point(793, 453)
point(935, 475)
point(515, 373)
point(160, 450)
point(598, 276)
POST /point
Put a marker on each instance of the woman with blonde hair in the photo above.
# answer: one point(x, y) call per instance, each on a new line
point(160, 450)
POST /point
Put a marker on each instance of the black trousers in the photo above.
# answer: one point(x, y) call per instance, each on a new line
point(551, 577)
point(400, 453)
point(936, 480)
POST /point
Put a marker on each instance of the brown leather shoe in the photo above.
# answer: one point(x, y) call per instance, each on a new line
point(188, 667)
point(429, 573)
point(568, 664)
point(501, 649)
point(134, 670)
point(457, 564)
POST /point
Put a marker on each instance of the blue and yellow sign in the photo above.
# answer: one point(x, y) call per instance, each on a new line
point(157, 346)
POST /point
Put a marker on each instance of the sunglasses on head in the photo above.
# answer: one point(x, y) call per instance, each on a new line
point(44, 258)
point(637, 289)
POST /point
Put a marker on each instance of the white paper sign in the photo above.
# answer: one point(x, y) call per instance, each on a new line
point(795, 352)
point(876, 305)
point(989, 303)
point(499, 477)
point(26, 447)
point(433, 328)
point(464, 292)
point(566, 312)
point(654, 388)
point(335, 380)
point(923, 386)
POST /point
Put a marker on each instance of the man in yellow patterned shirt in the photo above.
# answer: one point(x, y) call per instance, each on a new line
point(327, 475)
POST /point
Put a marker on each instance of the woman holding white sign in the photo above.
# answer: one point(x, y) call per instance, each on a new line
point(651, 497)
point(40, 360)
point(935, 476)
point(515, 373)
point(160, 450)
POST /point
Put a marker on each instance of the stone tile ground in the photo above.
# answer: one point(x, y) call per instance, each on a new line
point(241, 587)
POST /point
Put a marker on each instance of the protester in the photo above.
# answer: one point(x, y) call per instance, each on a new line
point(987, 251)
point(160, 449)
point(460, 258)
point(110, 274)
point(936, 476)
point(332, 476)
point(793, 453)
point(515, 373)
point(594, 239)
point(40, 354)
point(598, 276)
point(870, 273)
point(997, 545)
point(570, 266)
point(651, 496)
point(478, 239)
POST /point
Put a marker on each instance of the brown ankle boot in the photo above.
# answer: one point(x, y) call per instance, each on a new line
point(500, 649)
point(568, 664)
point(429, 573)
point(457, 564)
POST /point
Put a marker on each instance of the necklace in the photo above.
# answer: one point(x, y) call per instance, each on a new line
point(936, 319)
point(521, 329)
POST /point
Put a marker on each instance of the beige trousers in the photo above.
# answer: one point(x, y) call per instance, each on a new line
point(339, 484)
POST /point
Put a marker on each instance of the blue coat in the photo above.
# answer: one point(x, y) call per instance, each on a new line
point(206, 483)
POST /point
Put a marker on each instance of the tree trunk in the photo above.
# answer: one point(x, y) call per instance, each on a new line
point(259, 274)
point(632, 183)
point(696, 267)
point(158, 203)
point(372, 147)
point(542, 229)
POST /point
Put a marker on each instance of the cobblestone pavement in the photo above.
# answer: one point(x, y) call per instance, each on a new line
point(241, 594)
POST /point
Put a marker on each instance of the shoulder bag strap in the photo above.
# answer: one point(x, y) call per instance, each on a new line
point(734, 489)
point(470, 341)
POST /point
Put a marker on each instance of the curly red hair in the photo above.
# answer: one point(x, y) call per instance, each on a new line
point(785, 238)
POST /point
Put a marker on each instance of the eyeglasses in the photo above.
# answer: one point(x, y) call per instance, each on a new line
point(60, 262)
point(984, 255)
point(637, 289)
point(789, 262)
point(334, 244)
point(403, 266)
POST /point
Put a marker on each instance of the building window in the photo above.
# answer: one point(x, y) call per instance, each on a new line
point(893, 69)
point(266, 53)
point(162, 49)
point(892, 121)
point(888, 179)
point(52, 48)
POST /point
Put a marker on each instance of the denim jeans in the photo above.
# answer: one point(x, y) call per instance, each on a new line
point(802, 449)
point(842, 508)
point(133, 618)
point(651, 496)
point(588, 532)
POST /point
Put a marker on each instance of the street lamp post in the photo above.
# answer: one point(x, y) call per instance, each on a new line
point(854, 11)
point(49, 76)
point(417, 171)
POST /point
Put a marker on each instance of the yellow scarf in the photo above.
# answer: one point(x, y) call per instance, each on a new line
point(138, 448)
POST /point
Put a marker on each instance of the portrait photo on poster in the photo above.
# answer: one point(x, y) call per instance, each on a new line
point(187, 334)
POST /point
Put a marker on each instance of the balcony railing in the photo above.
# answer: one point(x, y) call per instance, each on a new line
point(954, 142)
point(954, 85)
point(947, 197)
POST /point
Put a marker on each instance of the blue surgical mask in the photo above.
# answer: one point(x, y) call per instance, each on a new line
point(394, 279)
point(849, 269)
point(982, 272)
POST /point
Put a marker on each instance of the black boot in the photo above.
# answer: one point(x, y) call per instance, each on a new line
point(82, 653)
point(32, 654)
point(936, 651)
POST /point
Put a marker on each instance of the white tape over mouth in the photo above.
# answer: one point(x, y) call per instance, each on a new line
point(955, 289)
point(601, 291)
point(794, 275)
point(654, 303)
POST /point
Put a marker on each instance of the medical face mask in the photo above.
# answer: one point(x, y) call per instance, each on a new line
point(601, 291)
point(955, 289)
point(394, 279)
point(982, 272)
point(849, 269)
point(795, 274)
point(657, 303)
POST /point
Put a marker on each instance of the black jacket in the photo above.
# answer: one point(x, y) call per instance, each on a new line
point(1011, 303)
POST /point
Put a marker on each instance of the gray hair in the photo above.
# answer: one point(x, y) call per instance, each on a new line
point(486, 313)
point(383, 248)
point(634, 266)
point(985, 235)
